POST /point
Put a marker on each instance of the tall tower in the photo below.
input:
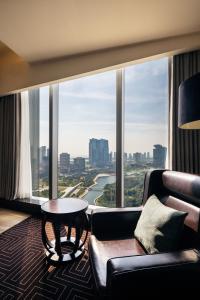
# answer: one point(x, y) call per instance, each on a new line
point(159, 156)
point(43, 153)
point(98, 152)
point(64, 163)
point(79, 164)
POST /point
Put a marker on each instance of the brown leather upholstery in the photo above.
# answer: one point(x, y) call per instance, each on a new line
point(192, 219)
point(184, 185)
point(102, 251)
point(148, 275)
point(118, 260)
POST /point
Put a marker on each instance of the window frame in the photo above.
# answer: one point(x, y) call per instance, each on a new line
point(120, 104)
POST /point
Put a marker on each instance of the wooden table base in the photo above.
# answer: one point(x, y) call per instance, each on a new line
point(53, 257)
point(70, 212)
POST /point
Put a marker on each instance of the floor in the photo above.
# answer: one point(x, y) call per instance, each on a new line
point(9, 218)
point(25, 273)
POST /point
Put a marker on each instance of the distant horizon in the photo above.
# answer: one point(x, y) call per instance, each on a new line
point(87, 109)
point(87, 156)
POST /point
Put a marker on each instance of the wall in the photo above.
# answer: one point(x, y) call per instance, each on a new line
point(16, 74)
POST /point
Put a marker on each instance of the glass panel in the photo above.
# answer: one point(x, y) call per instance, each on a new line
point(146, 124)
point(39, 140)
point(87, 109)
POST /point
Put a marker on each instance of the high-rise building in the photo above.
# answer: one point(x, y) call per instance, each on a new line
point(79, 164)
point(64, 163)
point(114, 156)
point(125, 156)
point(98, 152)
point(159, 156)
point(130, 156)
point(138, 157)
point(48, 152)
point(148, 155)
point(144, 157)
point(43, 153)
point(44, 162)
point(110, 157)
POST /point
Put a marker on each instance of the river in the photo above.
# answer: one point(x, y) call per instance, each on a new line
point(97, 189)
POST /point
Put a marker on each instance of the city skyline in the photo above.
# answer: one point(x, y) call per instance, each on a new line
point(88, 107)
point(150, 152)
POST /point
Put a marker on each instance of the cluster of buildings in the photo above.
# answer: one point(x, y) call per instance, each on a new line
point(100, 157)
point(157, 161)
point(78, 164)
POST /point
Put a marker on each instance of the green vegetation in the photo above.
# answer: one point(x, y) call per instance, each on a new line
point(133, 190)
point(68, 181)
point(108, 197)
point(88, 179)
point(80, 192)
point(44, 193)
point(133, 186)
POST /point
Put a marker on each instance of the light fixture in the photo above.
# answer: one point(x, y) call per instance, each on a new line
point(189, 103)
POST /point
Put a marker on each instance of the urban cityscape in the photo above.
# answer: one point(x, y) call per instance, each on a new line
point(93, 177)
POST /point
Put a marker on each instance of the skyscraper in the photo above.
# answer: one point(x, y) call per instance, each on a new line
point(148, 155)
point(138, 157)
point(64, 163)
point(44, 161)
point(110, 157)
point(98, 152)
point(159, 156)
point(125, 156)
point(43, 153)
point(79, 164)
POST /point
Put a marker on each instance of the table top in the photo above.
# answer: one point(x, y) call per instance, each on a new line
point(64, 206)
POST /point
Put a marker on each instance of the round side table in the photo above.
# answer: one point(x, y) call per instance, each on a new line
point(60, 212)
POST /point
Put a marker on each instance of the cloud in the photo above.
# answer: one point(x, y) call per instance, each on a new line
point(87, 108)
point(98, 95)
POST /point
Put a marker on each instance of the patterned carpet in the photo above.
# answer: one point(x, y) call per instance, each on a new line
point(25, 274)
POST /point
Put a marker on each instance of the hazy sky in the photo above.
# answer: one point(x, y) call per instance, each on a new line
point(87, 109)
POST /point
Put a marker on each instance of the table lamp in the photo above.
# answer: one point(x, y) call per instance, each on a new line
point(189, 103)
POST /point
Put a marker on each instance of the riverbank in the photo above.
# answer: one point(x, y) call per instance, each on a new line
point(95, 182)
point(96, 190)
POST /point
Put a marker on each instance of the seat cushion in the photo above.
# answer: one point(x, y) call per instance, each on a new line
point(101, 251)
point(159, 228)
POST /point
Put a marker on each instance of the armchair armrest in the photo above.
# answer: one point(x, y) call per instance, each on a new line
point(165, 271)
point(111, 223)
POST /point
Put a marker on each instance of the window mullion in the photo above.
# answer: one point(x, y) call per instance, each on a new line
point(120, 138)
point(53, 140)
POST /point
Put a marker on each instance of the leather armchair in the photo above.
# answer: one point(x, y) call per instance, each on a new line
point(120, 264)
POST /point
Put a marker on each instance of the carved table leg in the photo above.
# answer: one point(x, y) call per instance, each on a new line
point(47, 244)
point(56, 229)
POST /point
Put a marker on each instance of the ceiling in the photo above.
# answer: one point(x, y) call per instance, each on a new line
point(45, 29)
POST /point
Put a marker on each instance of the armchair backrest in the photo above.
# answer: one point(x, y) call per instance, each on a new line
point(180, 191)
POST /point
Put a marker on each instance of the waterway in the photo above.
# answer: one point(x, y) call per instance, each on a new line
point(96, 190)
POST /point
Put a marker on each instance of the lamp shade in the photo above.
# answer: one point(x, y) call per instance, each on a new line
point(189, 103)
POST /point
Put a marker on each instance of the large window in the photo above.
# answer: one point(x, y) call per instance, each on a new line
point(87, 121)
point(146, 124)
point(89, 109)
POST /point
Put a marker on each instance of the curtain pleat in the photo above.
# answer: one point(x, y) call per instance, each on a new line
point(24, 189)
point(185, 148)
point(10, 123)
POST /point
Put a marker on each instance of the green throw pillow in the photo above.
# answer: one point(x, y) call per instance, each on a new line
point(159, 227)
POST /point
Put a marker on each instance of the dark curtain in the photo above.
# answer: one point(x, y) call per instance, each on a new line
point(10, 111)
point(185, 143)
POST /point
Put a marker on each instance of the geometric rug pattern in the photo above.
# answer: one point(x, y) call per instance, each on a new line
point(25, 273)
